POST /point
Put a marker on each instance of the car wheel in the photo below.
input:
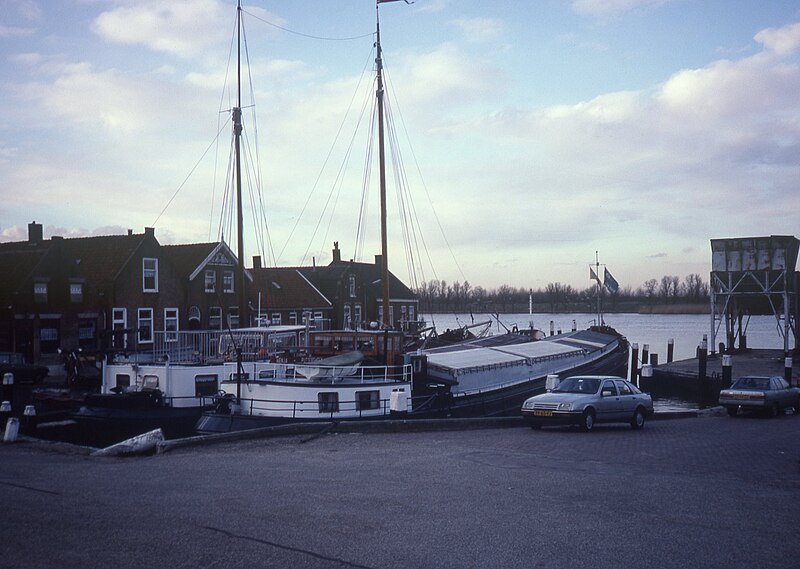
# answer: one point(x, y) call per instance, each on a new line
point(588, 420)
point(732, 411)
point(638, 419)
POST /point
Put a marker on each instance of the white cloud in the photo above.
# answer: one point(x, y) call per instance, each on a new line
point(612, 7)
point(783, 41)
point(478, 30)
point(15, 32)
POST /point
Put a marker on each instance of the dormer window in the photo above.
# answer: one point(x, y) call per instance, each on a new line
point(149, 275)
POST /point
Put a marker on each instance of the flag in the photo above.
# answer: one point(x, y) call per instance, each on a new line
point(611, 283)
point(384, 1)
point(593, 276)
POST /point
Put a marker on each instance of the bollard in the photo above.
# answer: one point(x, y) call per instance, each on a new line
point(574, 325)
point(552, 327)
point(742, 342)
point(12, 430)
point(645, 353)
point(654, 360)
point(5, 412)
point(670, 349)
point(559, 331)
point(28, 419)
point(634, 364)
point(727, 371)
point(702, 356)
point(787, 369)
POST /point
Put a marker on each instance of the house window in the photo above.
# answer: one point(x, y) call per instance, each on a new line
point(293, 318)
point(215, 318)
point(357, 316)
point(328, 402)
point(119, 321)
point(411, 313)
point(40, 292)
point(366, 400)
point(86, 333)
point(352, 286)
point(171, 324)
point(318, 320)
point(211, 281)
point(145, 326)
point(205, 385)
point(391, 314)
point(276, 319)
point(347, 316)
point(403, 313)
point(49, 336)
point(149, 275)
point(227, 281)
point(233, 316)
point(76, 292)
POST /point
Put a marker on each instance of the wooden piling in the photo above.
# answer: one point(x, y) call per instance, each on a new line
point(787, 370)
point(670, 349)
point(727, 371)
point(634, 363)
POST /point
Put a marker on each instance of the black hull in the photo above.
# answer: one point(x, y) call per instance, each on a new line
point(212, 422)
point(103, 426)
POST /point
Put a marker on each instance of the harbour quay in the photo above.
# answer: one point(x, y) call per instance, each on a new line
point(706, 491)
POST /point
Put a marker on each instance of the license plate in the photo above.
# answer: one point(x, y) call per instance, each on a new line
point(543, 413)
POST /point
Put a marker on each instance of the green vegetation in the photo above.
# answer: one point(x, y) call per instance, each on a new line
point(669, 295)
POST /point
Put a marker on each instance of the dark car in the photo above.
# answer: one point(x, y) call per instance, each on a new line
point(23, 372)
point(589, 399)
point(770, 395)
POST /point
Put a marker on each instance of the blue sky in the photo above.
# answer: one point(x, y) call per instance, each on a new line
point(538, 132)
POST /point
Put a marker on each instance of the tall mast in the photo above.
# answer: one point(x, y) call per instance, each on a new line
point(237, 135)
point(382, 161)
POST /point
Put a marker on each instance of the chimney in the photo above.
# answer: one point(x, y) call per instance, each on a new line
point(256, 261)
point(337, 255)
point(130, 232)
point(150, 231)
point(34, 233)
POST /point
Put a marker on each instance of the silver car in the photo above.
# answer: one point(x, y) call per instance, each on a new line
point(770, 395)
point(589, 399)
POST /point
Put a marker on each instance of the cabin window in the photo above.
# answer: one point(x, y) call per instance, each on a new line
point(170, 324)
point(123, 380)
point(239, 376)
point(215, 318)
point(149, 275)
point(211, 281)
point(205, 385)
point(76, 292)
point(40, 292)
point(328, 402)
point(227, 281)
point(119, 321)
point(145, 326)
point(150, 382)
point(266, 373)
point(366, 400)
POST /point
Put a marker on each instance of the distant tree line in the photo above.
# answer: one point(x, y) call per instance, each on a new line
point(441, 296)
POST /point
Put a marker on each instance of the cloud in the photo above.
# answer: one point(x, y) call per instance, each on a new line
point(612, 7)
point(7, 32)
point(783, 41)
point(477, 30)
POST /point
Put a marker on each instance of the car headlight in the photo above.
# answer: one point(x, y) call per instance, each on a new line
point(528, 404)
point(565, 406)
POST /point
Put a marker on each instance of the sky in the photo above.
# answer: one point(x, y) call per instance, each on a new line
point(536, 137)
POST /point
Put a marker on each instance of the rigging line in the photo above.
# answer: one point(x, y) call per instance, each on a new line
point(327, 159)
point(189, 175)
point(427, 193)
point(226, 210)
point(274, 25)
point(366, 169)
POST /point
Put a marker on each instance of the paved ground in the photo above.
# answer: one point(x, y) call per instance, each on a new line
point(703, 492)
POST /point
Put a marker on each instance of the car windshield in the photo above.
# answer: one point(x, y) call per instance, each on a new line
point(760, 383)
point(578, 385)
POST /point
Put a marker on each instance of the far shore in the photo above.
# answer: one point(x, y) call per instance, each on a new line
point(703, 308)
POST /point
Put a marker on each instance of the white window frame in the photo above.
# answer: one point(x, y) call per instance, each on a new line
point(144, 319)
point(215, 314)
point(228, 282)
point(40, 292)
point(233, 317)
point(352, 286)
point(149, 270)
point(119, 323)
point(171, 324)
point(76, 292)
point(347, 315)
point(210, 281)
point(293, 318)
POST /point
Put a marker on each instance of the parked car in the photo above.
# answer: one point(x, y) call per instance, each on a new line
point(23, 372)
point(769, 395)
point(589, 399)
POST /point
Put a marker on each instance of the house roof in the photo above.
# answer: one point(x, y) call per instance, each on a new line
point(187, 258)
point(286, 288)
point(327, 278)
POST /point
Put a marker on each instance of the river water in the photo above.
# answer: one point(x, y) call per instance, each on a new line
point(686, 330)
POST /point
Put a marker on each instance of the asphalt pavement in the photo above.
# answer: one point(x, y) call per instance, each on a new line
point(710, 491)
